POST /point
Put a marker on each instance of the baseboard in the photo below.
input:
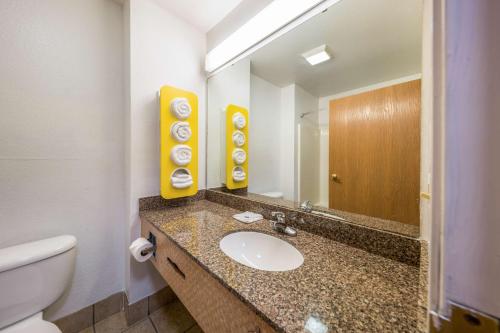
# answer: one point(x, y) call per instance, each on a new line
point(111, 305)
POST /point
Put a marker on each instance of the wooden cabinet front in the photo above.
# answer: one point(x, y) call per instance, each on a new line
point(214, 307)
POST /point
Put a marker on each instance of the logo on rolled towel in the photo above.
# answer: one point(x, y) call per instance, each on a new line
point(239, 120)
point(180, 108)
point(239, 156)
point(238, 138)
point(181, 155)
point(180, 131)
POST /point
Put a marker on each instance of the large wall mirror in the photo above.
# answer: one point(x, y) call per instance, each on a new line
point(334, 116)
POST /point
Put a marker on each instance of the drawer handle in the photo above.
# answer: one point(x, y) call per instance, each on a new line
point(176, 268)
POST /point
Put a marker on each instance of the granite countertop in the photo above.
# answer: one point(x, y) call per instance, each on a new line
point(337, 289)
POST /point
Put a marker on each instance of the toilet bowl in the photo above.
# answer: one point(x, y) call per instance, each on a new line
point(32, 277)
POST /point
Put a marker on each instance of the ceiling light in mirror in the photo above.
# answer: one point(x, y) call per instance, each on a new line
point(317, 55)
point(274, 20)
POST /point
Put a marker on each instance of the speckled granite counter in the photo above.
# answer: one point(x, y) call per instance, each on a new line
point(341, 287)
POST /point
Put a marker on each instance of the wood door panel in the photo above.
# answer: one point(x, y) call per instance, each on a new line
point(375, 151)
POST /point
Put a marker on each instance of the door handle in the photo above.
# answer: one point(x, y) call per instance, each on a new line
point(335, 178)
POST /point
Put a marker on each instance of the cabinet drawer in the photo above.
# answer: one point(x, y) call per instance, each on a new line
point(213, 306)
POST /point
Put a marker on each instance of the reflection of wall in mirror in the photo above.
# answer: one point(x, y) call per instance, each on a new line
point(278, 164)
point(230, 86)
point(308, 146)
point(264, 135)
point(275, 164)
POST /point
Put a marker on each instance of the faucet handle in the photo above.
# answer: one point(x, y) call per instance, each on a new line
point(278, 215)
point(306, 206)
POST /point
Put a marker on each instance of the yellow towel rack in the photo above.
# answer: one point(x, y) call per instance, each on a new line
point(169, 121)
point(231, 146)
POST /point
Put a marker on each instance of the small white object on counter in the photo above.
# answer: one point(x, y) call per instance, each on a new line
point(248, 217)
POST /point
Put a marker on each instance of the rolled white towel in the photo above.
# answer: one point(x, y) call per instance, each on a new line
point(239, 120)
point(181, 178)
point(238, 138)
point(239, 174)
point(180, 131)
point(239, 156)
point(180, 108)
point(181, 155)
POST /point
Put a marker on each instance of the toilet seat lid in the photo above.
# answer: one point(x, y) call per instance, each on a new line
point(32, 324)
point(28, 253)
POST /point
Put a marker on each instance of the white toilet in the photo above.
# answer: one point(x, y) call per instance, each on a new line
point(32, 277)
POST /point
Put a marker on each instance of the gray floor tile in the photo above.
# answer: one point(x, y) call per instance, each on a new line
point(144, 326)
point(77, 321)
point(114, 324)
point(87, 330)
point(161, 298)
point(108, 306)
point(172, 318)
point(137, 311)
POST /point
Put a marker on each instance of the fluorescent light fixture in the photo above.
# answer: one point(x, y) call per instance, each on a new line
point(317, 55)
point(266, 25)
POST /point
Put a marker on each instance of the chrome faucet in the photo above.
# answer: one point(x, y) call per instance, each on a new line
point(306, 206)
point(280, 225)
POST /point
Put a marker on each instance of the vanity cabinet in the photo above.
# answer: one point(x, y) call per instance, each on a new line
point(213, 306)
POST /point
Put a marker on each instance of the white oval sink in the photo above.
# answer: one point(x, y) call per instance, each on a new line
point(261, 251)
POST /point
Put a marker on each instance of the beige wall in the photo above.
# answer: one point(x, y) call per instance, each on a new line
point(62, 136)
point(230, 86)
point(163, 50)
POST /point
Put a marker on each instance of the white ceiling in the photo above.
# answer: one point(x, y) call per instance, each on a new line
point(203, 14)
point(371, 42)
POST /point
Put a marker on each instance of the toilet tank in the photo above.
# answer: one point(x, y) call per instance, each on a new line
point(33, 276)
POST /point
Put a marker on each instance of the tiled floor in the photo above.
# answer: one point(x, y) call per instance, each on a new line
point(172, 318)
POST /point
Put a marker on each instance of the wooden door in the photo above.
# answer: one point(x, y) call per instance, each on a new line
point(375, 153)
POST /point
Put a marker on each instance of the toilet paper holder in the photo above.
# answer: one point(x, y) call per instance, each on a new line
point(152, 240)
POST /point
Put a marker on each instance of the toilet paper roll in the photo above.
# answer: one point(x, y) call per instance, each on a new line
point(139, 245)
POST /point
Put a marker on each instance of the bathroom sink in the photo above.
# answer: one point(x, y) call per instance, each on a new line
point(261, 251)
